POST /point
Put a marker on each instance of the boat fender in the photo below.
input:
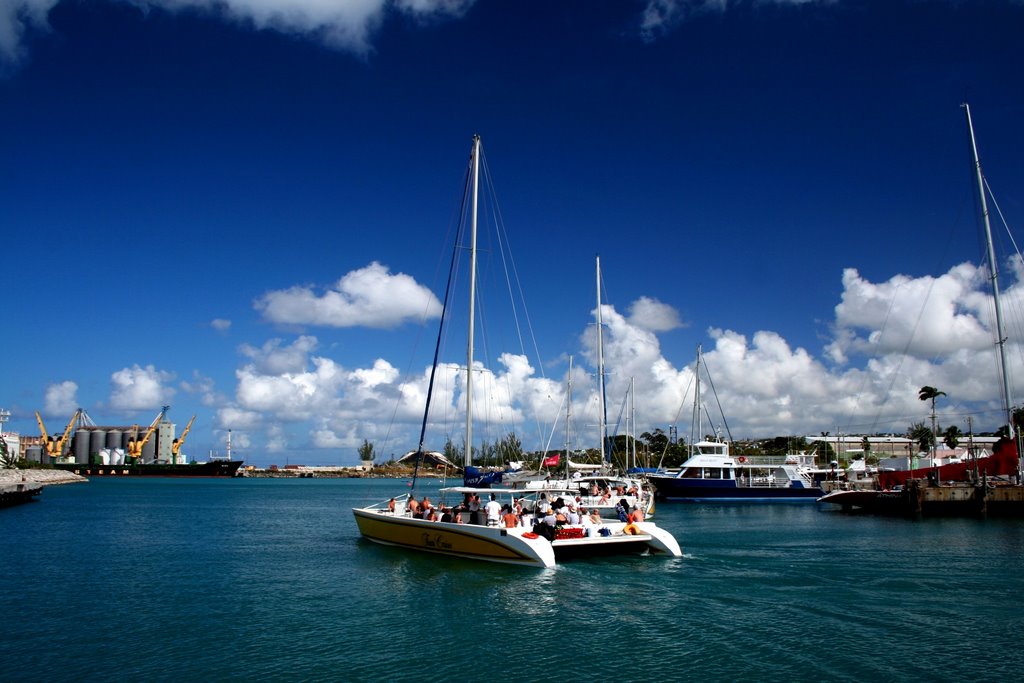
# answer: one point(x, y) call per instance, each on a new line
point(530, 534)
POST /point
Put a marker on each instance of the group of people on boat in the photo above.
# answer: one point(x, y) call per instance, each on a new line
point(544, 517)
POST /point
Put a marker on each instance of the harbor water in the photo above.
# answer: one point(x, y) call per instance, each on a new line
point(267, 579)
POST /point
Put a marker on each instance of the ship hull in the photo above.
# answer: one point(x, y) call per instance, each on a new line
point(214, 468)
point(726, 491)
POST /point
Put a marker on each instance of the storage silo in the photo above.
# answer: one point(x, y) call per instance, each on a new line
point(113, 438)
point(80, 446)
point(149, 451)
point(97, 442)
point(34, 453)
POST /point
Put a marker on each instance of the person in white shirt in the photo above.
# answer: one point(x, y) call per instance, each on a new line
point(493, 509)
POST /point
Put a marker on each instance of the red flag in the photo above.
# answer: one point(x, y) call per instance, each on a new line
point(552, 461)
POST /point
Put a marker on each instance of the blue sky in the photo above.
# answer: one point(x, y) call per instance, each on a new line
point(236, 209)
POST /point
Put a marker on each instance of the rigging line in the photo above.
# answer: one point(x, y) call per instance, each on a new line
point(675, 421)
point(554, 425)
point(437, 345)
point(454, 223)
point(719, 403)
point(502, 232)
point(1019, 332)
point(511, 274)
point(953, 230)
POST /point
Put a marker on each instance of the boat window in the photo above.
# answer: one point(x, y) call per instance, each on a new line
point(713, 473)
point(691, 473)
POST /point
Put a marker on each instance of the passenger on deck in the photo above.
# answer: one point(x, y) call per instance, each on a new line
point(573, 516)
point(458, 518)
point(510, 519)
point(595, 517)
point(543, 506)
point(391, 506)
point(413, 506)
point(426, 507)
point(446, 514)
point(636, 515)
point(493, 508)
point(587, 522)
point(622, 509)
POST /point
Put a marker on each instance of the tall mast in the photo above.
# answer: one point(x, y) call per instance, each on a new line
point(696, 420)
point(568, 416)
point(632, 421)
point(602, 418)
point(994, 275)
point(472, 302)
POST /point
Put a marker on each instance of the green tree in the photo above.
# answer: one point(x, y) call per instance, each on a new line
point(452, 452)
point(920, 434)
point(952, 436)
point(366, 451)
point(7, 459)
point(509, 448)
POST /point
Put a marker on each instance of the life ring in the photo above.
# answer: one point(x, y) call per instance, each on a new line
point(741, 459)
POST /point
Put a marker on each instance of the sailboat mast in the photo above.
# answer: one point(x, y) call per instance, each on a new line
point(993, 274)
point(602, 418)
point(568, 415)
point(632, 420)
point(695, 423)
point(472, 302)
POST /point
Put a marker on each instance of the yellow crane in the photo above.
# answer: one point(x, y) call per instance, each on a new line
point(135, 444)
point(55, 446)
point(176, 446)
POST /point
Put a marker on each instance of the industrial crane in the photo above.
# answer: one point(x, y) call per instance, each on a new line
point(176, 446)
point(135, 444)
point(55, 446)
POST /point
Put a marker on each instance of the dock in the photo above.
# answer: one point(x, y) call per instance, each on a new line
point(18, 493)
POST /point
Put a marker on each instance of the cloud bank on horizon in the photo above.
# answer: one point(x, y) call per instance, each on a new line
point(908, 332)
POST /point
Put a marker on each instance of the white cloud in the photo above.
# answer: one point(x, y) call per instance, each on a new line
point(274, 359)
point(16, 18)
point(340, 24)
point(204, 388)
point(220, 325)
point(368, 297)
point(661, 16)
point(138, 388)
point(654, 315)
point(61, 398)
point(888, 339)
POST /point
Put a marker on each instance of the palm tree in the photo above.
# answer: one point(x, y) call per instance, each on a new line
point(927, 393)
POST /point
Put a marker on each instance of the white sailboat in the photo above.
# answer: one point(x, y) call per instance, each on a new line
point(593, 486)
point(394, 522)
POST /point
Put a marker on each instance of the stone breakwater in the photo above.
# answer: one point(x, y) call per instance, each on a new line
point(45, 477)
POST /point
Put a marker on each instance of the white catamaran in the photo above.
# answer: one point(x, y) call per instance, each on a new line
point(395, 522)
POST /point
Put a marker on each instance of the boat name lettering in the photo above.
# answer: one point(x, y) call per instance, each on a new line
point(436, 541)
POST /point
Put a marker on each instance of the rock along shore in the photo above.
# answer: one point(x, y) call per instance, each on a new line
point(44, 477)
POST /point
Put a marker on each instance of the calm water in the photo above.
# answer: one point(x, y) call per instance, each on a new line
point(267, 579)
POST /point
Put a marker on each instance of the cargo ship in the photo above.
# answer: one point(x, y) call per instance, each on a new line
point(88, 449)
point(211, 468)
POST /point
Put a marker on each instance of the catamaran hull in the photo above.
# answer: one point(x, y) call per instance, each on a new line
point(472, 541)
point(507, 546)
point(726, 491)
